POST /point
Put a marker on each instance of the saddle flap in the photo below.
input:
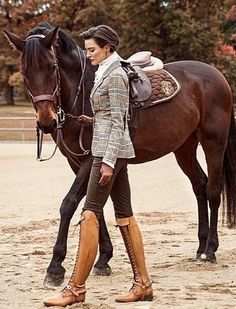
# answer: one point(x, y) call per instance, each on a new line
point(140, 85)
point(141, 88)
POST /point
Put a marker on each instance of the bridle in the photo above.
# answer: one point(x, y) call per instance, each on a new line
point(55, 98)
point(46, 97)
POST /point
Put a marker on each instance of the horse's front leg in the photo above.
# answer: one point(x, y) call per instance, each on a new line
point(55, 271)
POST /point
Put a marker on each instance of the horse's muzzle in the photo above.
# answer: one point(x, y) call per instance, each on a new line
point(48, 129)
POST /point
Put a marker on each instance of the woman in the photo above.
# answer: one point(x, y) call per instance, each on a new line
point(111, 148)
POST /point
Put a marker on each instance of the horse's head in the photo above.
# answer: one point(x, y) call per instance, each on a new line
point(40, 71)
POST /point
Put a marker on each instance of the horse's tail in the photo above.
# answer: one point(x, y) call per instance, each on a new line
point(229, 177)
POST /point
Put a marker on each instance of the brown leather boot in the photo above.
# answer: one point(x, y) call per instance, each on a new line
point(75, 291)
point(142, 286)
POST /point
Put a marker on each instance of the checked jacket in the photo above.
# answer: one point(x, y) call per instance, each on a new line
point(110, 104)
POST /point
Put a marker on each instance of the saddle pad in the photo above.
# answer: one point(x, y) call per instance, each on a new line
point(164, 87)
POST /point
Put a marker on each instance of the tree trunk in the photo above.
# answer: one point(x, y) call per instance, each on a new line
point(8, 95)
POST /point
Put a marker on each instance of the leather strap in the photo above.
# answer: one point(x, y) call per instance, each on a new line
point(123, 221)
point(42, 97)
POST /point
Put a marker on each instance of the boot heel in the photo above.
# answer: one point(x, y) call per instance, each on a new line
point(148, 298)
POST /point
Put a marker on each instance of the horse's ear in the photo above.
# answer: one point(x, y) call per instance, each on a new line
point(51, 37)
point(15, 42)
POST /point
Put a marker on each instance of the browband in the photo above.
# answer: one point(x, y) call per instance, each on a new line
point(35, 36)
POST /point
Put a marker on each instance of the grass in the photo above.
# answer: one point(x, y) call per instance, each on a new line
point(20, 109)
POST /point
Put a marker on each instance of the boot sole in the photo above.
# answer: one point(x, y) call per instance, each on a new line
point(147, 298)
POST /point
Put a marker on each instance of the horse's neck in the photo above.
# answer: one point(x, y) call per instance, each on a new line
point(73, 80)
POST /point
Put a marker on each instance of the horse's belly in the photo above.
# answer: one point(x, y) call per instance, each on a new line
point(162, 129)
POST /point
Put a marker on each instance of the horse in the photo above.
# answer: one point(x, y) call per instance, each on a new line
point(59, 78)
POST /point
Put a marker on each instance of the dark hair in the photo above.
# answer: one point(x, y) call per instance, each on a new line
point(103, 35)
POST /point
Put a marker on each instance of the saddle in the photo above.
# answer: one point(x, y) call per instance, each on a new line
point(149, 82)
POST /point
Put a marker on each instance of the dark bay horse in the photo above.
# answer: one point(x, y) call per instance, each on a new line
point(59, 79)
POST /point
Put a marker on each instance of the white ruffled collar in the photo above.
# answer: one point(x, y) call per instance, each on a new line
point(104, 65)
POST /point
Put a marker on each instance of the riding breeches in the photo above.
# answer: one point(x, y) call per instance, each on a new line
point(118, 189)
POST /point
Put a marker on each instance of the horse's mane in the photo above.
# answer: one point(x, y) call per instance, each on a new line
point(33, 53)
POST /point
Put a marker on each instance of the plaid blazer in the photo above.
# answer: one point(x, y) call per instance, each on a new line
point(110, 103)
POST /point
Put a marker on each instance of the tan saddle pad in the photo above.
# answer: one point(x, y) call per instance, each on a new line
point(164, 87)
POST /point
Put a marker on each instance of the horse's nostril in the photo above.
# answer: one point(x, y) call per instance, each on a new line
point(48, 129)
point(54, 125)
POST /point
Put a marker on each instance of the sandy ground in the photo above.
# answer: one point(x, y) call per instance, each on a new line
point(165, 208)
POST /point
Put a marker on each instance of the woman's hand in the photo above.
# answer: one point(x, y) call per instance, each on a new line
point(106, 174)
point(85, 120)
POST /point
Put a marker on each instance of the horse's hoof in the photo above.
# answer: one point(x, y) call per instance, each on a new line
point(207, 258)
point(53, 280)
point(102, 271)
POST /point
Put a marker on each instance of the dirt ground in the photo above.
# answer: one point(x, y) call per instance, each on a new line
point(165, 208)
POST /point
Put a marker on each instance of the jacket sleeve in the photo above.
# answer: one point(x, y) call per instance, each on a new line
point(118, 93)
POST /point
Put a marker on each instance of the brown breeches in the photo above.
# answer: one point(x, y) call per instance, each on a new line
point(118, 189)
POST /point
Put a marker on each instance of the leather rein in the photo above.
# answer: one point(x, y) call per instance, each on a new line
point(62, 117)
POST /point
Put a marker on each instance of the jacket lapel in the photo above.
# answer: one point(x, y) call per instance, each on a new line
point(112, 67)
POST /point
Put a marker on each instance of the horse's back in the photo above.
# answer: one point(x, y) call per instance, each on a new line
point(203, 84)
point(199, 73)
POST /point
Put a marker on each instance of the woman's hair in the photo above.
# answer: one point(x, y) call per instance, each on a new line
point(103, 35)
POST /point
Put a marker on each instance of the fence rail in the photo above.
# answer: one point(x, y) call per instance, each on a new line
point(16, 124)
point(17, 118)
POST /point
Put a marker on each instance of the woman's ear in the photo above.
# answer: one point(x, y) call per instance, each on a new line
point(107, 48)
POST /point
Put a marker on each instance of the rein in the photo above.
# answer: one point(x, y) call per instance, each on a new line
point(55, 98)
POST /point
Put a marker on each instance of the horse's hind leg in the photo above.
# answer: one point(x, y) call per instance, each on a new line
point(187, 160)
point(214, 152)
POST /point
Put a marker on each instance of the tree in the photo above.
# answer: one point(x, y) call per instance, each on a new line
point(229, 26)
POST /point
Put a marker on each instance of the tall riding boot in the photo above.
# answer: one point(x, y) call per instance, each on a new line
point(75, 291)
point(142, 286)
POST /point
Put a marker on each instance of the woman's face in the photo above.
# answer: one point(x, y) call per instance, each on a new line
point(96, 53)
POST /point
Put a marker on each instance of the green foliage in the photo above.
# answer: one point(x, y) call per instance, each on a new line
point(140, 26)
point(229, 24)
